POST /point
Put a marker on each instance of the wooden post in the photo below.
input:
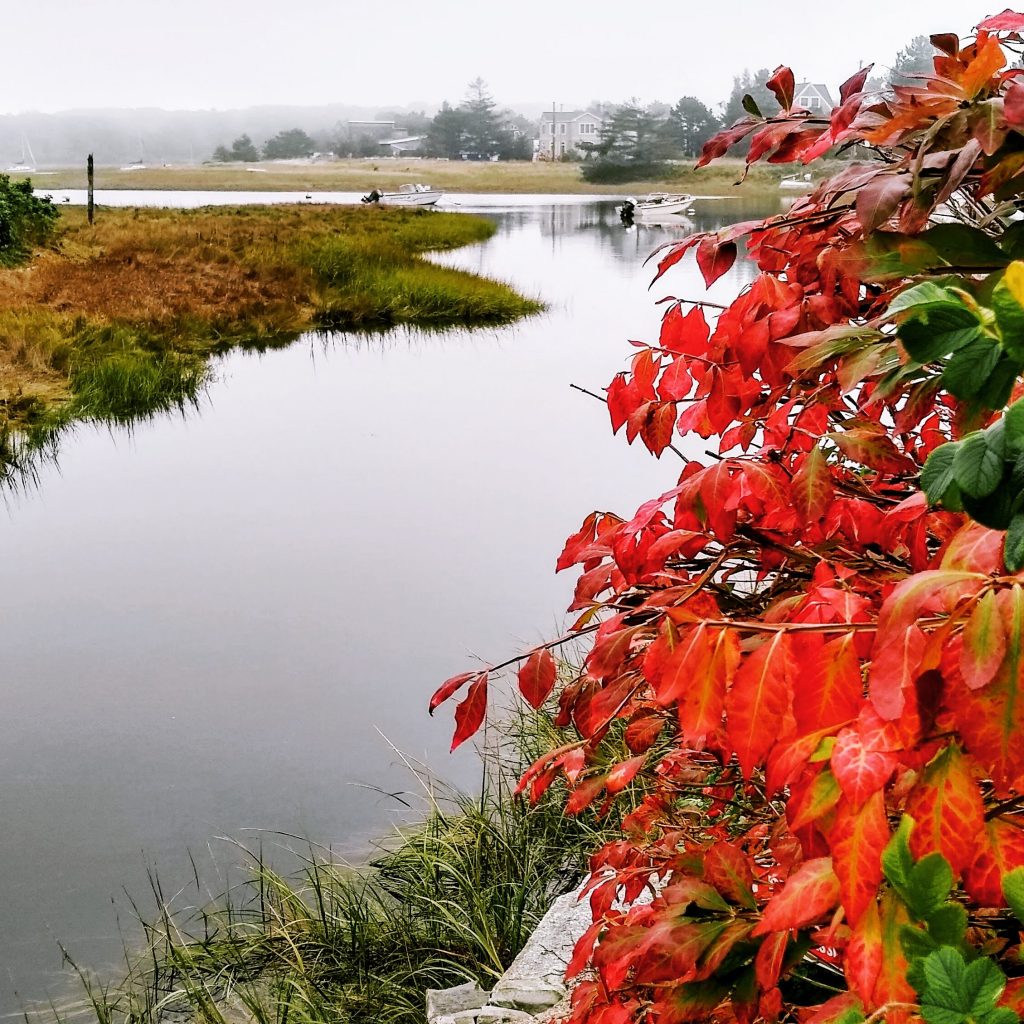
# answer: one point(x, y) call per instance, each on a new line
point(91, 205)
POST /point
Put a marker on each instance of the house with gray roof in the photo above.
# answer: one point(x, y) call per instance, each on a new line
point(813, 96)
point(566, 129)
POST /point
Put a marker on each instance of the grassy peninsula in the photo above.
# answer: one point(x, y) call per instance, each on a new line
point(116, 320)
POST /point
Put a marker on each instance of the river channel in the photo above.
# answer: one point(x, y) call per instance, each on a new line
point(228, 621)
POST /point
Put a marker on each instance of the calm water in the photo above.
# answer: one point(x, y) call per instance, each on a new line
point(218, 623)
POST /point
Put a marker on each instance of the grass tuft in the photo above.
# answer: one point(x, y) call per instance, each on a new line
point(450, 900)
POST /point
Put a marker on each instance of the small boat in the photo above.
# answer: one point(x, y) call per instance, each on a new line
point(795, 181)
point(27, 163)
point(407, 195)
point(135, 165)
point(657, 204)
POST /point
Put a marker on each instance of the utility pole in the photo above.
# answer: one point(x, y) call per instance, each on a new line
point(89, 173)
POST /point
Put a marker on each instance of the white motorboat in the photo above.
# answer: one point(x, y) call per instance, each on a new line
point(407, 195)
point(798, 182)
point(657, 205)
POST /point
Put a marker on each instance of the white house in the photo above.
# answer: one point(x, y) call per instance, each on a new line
point(813, 96)
point(567, 129)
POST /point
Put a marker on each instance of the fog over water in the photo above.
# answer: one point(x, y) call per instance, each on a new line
point(198, 54)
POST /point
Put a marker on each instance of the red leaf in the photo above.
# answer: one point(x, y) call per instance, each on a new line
point(947, 810)
point(854, 84)
point(1008, 21)
point(991, 720)
point(810, 893)
point(469, 715)
point(714, 258)
point(984, 643)
point(898, 647)
point(769, 959)
point(783, 85)
point(758, 700)
point(831, 688)
point(1013, 106)
point(623, 774)
point(812, 486)
point(871, 447)
point(684, 335)
point(863, 961)
point(448, 687)
point(857, 839)
point(860, 771)
point(701, 704)
point(878, 199)
point(1000, 849)
point(728, 870)
point(537, 677)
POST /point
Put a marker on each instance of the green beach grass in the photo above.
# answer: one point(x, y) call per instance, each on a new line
point(449, 900)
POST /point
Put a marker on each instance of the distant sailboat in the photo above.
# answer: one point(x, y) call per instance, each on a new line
point(137, 165)
point(27, 161)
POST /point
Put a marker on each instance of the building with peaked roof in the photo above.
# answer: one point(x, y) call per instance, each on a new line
point(562, 131)
point(813, 96)
point(403, 145)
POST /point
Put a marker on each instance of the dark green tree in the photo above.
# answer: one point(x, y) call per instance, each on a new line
point(242, 149)
point(689, 125)
point(288, 145)
point(447, 133)
point(483, 132)
point(633, 135)
point(752, 85)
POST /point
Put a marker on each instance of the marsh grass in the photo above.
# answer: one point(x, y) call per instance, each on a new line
point(451, 899)
point(117, 321)
point(452, 176)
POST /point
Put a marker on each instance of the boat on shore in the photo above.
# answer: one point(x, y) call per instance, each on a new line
point(407, 195)
point(657, 205)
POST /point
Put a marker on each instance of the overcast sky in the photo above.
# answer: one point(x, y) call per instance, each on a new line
point(192, 54)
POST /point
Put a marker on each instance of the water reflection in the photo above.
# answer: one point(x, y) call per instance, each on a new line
point(205, 622)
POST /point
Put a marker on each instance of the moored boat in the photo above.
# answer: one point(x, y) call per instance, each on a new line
point(407, 195)
point(657, 204)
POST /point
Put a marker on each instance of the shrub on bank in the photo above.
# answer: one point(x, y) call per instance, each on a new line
point(26, 220)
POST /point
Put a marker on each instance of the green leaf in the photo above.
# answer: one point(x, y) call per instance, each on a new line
point(1013, 890)
point(916, 943)
point(995, 511)
point(750, 106)
point(995, 438)
point(937, 474)
point(896, 860)
point(948, 925)
point(963, 246)
point(995, 392)
point(923, 297)
point(953, 991)
point(1013, 546)
point(928, 884)
point(977, 469)
point(1010, 318)
point(969, 369)
point(1014, 417)
point(943, 331)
